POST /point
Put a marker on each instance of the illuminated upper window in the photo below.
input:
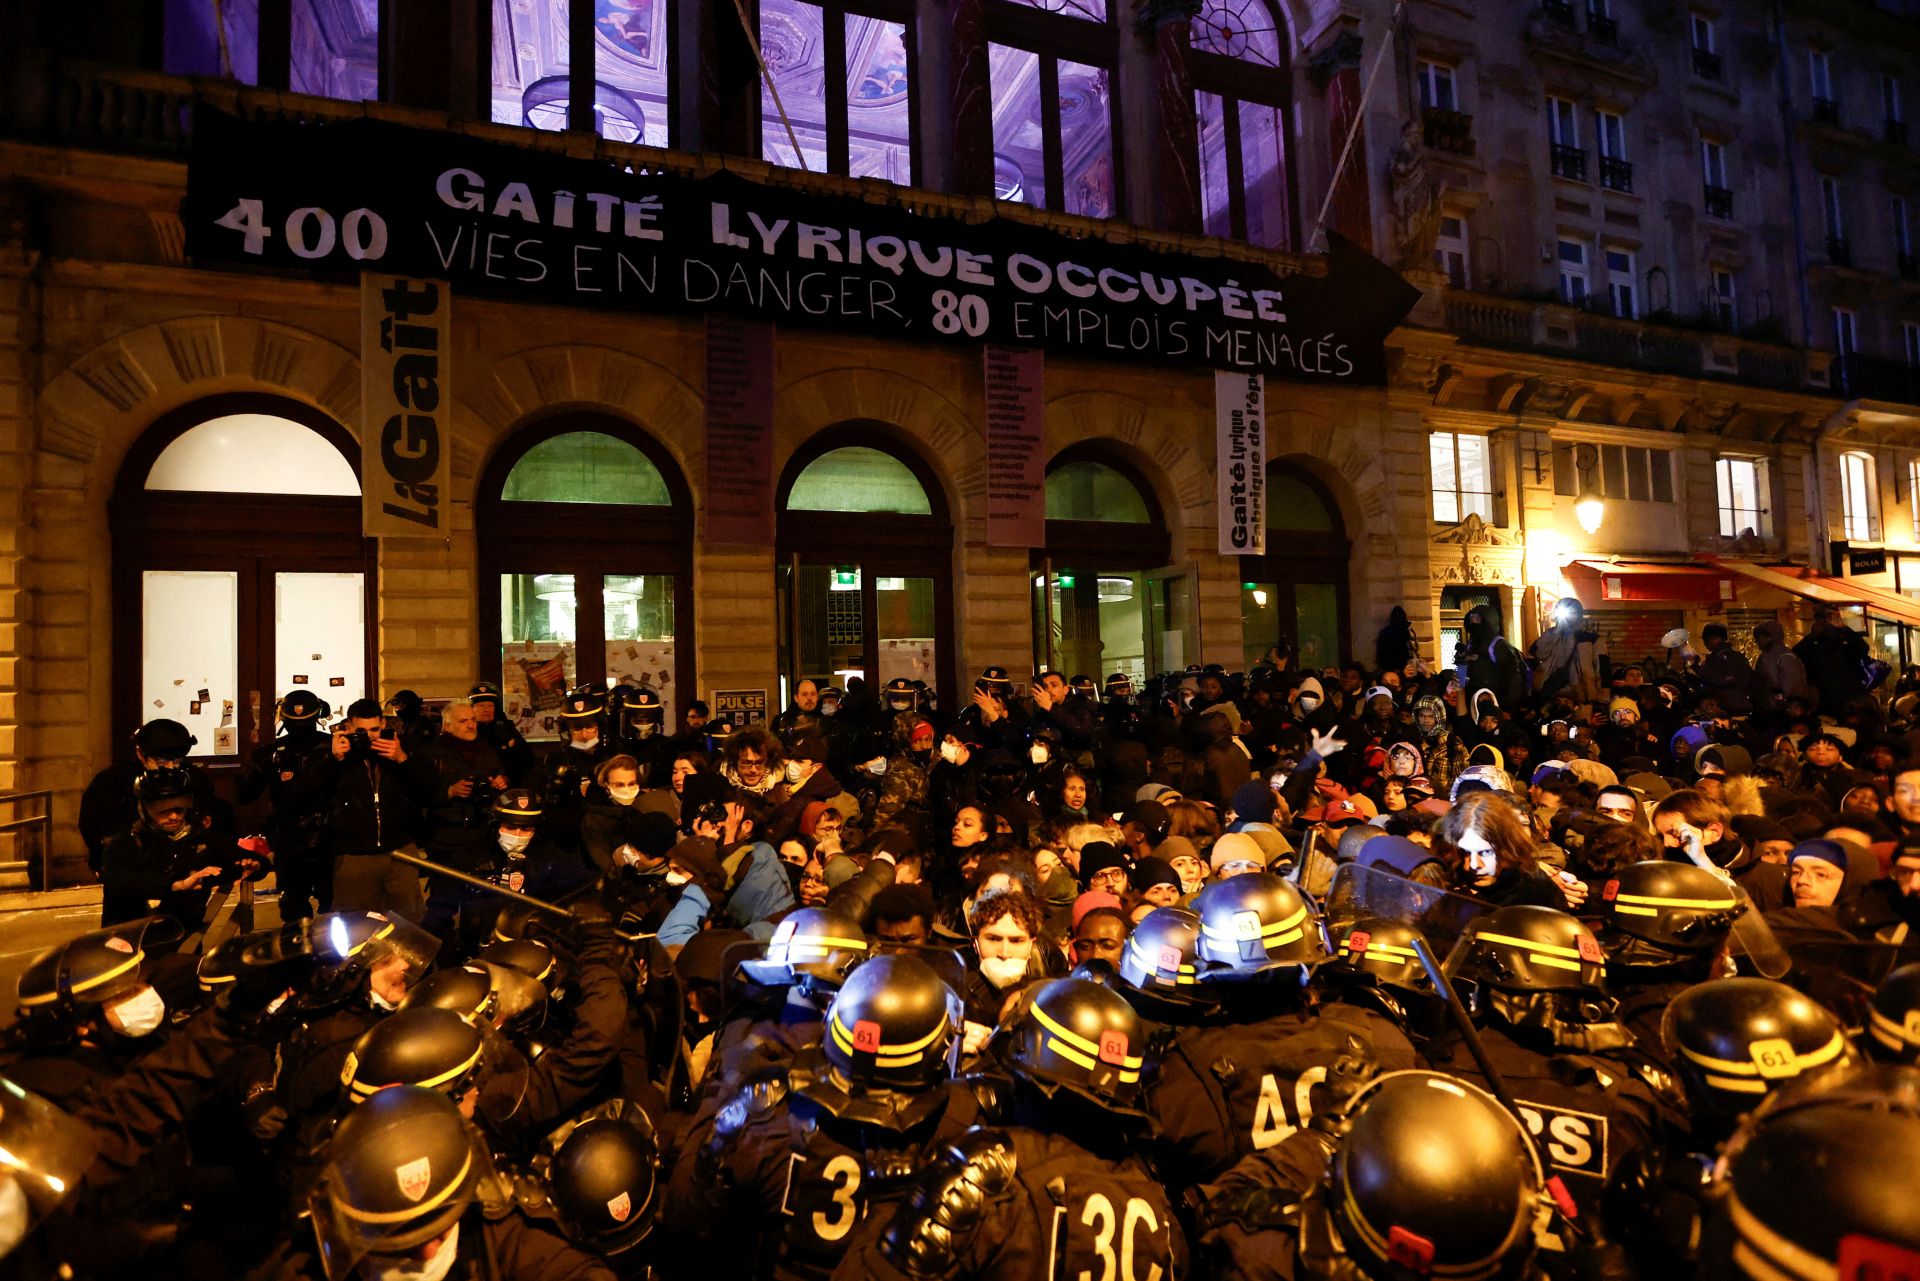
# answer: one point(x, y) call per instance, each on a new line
point(1052, 131)
point(800, 41)
point(1087, 490)
point(533, 54)
point(1240, 29)
point(855, 478)
point(253, 454)
point(1295, 505)
point(586, 467)
point(333, 46)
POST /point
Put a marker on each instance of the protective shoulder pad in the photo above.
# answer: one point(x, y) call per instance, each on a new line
point(755, 1099)
point(946, 1208)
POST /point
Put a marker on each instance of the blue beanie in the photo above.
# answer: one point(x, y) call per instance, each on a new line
point(1253, 802)
point(1831, 851)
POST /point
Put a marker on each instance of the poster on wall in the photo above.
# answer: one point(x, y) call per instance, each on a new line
point(528, 222)
point(739, 497)
point(534, 679)
point(1240, 463)
point(405, 449)
point(645, 663)
point(1016, 447)
point(740, 707)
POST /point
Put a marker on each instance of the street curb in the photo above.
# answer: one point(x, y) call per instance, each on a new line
point(29, 900)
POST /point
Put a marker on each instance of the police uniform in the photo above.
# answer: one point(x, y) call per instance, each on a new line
point(290, 773)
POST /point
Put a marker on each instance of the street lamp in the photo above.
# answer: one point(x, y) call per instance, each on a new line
point(1590, 509)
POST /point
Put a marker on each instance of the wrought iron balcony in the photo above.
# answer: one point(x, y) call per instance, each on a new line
point(1719, 202)
point(1616, 175)
point(1826, 111)
point(1839, 252)
point(1570, 162)
point(1706, 64)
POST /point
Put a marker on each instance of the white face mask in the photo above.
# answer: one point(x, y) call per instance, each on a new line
point(586, 746)
point(140, 1014)
point(798, 771)
point(678, 878)
point(624, 795)
point(380, 1002)
point(1038, 753)
point(1003, 971)
point(876, 767)
point(1308, 702)
point(949, 751)
point(644, 729)
point(627, 856)
point(514, 842)
point(381, 1267)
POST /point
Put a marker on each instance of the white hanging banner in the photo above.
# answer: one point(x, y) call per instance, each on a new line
point(1240, 454)
point(405, 406)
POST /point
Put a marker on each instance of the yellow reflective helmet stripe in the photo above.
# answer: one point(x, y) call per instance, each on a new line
point(88, 985)
point(1702, 904)
point(426, 1207)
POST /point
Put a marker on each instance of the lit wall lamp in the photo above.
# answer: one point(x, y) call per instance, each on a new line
point(1589, 508)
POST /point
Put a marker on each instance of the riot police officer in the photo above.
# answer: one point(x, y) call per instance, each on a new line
point(1061, 1185)
point(798, 1158)
point(602, 1179)
point(108, 806)
point(1663, 926)
point(636, 725)
point(1734, 1041)
point(289, 772)
point(561, 780)
point(500, 733)
point(86, 1009)
point(172, 857)
point(1257, 1063)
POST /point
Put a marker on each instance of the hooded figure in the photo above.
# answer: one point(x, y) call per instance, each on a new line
point(1565, 657)
point(1444, 754)
point(1826, 892)
point(1490, 661)
point(1778, 674)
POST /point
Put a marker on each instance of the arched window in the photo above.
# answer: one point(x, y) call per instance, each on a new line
point(625, 52)
point(1104, 599)
point(239, 571)
point(845, 76)
point(1050, 63)
point(865, 563)
point(1238, 62)
point(1297, 594)
point(586, 539)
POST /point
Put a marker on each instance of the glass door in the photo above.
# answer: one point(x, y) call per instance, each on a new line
point(551, 639)
point(857, 619)
point(1098, 622)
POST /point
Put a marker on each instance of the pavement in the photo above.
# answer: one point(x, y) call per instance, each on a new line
point(30, 923)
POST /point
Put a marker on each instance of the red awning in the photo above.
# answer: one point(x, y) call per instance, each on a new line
point(1828, 590)
point(1647, 580)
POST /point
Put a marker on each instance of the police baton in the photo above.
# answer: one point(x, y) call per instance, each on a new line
point(481, 883)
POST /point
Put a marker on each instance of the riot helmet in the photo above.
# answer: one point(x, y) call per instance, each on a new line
point(892, 1035)
point(1379, 952)
point(166, 797)
point(1733, 1041)
point(102, 972)
point(301, 711)
point(1254, 924)
point(603, 1176)
point(530, 957)
point(1078, 1036)
point(644, 713)
point(425, 1046)
point(402, 1168)
point(1465, 1207)
point(1660, 913)
point(901, 696)
point(814, 949)
point(1893, 1019)
point(482, 992)
point(47, 1155)
point(1161, 957)
point(1532, 967)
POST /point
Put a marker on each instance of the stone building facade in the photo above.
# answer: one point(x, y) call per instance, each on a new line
point(1695, 386)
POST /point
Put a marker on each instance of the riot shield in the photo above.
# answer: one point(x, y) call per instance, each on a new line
point(1360, 895)
point(46, 1153)
point(1754, 946)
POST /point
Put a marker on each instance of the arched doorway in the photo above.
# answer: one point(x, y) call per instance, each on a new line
point(865, 577)
point(239, 571)
point(1297, 594)
point(586, 559)
point(1104, 600)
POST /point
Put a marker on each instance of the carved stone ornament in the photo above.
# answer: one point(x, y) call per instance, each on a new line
point(1415, 197)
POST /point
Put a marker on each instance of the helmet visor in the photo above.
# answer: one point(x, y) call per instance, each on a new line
point(346, 1238)
point(43, 1153)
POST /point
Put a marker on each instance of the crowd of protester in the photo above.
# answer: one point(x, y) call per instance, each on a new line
point(1101, 977)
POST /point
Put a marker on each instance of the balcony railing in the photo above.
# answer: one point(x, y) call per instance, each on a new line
point(1616, 175)
point(1558, 12)
point(1719, 202)
point(1839, 252)
point(1826, 111)
point(1445, 130)
point(1707, 65)
point(1603, 28)
point(1876, 378)
point(1895, 132)
point(1570, 162)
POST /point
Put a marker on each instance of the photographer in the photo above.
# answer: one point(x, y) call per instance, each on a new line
point(458, 777)
point(371, 797)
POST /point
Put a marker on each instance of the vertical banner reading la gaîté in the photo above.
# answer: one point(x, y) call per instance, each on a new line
point(1241, 463)
point(405, 454)
point(739, 507)
point(1016, 447)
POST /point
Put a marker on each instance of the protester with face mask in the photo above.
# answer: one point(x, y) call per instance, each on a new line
point(808, 781)
point(1010, 948)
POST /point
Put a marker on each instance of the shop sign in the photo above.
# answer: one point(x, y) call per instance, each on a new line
point(740, 707)
point(1016, 448)
point(1240, 463)
point(1866, 562)
point(521, 223)
point(405, 461)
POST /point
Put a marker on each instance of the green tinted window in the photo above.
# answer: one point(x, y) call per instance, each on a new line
point(858, 479)
point(1094, 491)
point(1294, 504)
point(586, 467)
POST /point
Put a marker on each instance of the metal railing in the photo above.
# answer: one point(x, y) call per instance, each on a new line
point(1616, 175)
point(1569, 162)
point(1707, 64)
point(1719, 202)
point(21, 829)
point(1826, 111)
